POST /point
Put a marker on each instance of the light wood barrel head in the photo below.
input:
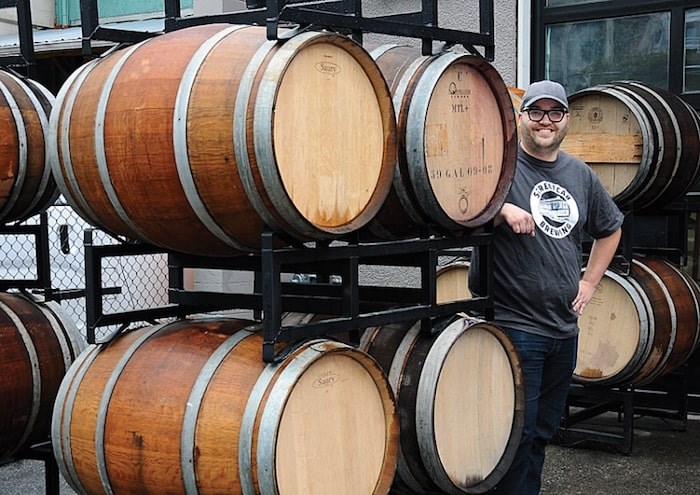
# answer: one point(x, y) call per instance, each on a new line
point(464, 142)
point(479, 368)
point(613, 327)
point(606, 134)
point(453, 283)
point(344, 452)
point(329, 136)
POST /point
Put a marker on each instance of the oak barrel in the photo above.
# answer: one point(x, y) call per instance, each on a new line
point(516, 97)
point(27, 186)
point(200, 139)
point(638, 328)
point(461, 402)
point(38, 343)
point(190, 407)
point(457, 142)
point(452, 282)
point(642, 141)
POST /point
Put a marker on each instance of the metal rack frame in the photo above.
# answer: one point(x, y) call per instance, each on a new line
point(40, 233)
point(339, 15)
point(42, 282)
point(26, 58)
point(348, 305)
point(627, 401)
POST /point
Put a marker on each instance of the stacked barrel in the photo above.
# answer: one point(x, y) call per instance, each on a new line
point(639, 328)
point(189, 407)
point(642, 141)
point(644, 144)
point(467, 373)
point(231, 133)
point(457, 143)
point(200, 140)
point(38, 342)
point(27, 186)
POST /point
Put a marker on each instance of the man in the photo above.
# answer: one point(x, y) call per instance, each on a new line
point(538, 290)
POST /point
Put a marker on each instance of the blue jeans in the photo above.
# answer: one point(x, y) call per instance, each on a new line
point(548, 366)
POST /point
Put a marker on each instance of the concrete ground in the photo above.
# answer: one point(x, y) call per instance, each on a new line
point(664, 461)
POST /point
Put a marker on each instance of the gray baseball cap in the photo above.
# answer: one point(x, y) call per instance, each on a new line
point(542, 90)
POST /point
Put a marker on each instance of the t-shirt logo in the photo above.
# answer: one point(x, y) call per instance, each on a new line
point(554, 209)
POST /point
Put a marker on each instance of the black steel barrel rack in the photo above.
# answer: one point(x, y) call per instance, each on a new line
point(41, 283)
point(26, 58)
point(666, 398)
point(40, 234)
point(339, 15)
point(337, 294)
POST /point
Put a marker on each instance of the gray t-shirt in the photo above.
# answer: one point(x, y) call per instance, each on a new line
point(536, 279)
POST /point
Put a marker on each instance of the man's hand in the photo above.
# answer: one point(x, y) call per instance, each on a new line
point(519, 220)
point(585, 292)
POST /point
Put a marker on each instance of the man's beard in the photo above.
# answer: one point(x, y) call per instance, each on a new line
point(528, 136)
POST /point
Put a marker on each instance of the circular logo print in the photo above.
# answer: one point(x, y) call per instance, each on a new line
point(554, 209)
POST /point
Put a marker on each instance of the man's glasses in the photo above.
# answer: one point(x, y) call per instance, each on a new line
point(537, 114)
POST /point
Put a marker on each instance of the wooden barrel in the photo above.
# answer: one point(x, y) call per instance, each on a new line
point(200, 139)
point(38, 343)
point(642, 141)
point(190, 407)
point(461, 402)
point(457, 142)
point(638, 328)
point(452, 282)
point(516, 97)
point(27, 186)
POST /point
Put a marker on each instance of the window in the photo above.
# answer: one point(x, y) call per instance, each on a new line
point(691, 63)
point(585, 53)
point(559, 3)
point(588, 42)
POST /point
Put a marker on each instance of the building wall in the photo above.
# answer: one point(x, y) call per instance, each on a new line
point(43, 15)
point(464, 15)
point(453, 14)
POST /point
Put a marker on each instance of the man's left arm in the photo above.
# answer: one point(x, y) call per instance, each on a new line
point(601, 255)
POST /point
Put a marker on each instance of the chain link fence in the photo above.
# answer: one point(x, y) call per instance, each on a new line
point(131, 282)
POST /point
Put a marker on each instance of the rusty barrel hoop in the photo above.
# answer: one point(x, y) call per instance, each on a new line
point(185, 151)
